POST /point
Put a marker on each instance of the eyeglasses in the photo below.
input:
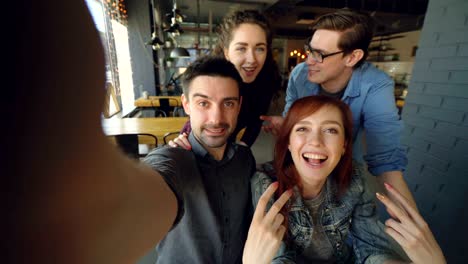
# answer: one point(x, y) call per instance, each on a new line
point(316, 55)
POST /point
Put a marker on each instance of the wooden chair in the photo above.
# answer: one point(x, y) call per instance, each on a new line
point(170, 136)
point(179, 112)
point(159, 113)
point(164, 106)
point(168, 106)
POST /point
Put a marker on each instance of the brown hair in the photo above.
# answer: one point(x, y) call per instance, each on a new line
point(357, 30)
point(233, 20)
point(269, 78)
point(283, 162)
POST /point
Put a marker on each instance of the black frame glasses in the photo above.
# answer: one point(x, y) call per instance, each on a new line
point(318, 56)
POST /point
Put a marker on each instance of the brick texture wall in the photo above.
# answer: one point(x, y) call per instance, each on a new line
point(436, 132)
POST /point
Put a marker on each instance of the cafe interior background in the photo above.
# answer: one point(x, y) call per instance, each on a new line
point(421, 44)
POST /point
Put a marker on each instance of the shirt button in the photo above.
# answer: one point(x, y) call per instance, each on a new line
point(338, 244)
point(226, 220)
point(224, 194)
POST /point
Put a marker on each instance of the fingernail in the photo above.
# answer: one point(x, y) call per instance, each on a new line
point(380, 196)
point(388, 186)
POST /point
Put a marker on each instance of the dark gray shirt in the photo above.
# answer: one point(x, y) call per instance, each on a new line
point(319, 249)
point(214, 202)
point(337, 95)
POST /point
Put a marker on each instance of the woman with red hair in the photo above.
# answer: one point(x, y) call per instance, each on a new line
point(330, 200)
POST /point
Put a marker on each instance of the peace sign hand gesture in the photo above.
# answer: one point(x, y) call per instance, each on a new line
point(266, 230)
point(410, 230)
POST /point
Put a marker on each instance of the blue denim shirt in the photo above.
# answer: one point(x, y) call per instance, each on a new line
point(354, 213)
point(370, 95)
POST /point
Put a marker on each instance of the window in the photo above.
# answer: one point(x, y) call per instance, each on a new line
point(110, 18)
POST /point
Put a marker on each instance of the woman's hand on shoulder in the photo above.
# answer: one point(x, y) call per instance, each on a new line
point(410, 230)
point(180, 141)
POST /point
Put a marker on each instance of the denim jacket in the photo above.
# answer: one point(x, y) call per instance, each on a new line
point(370, 96)
point(354, 214)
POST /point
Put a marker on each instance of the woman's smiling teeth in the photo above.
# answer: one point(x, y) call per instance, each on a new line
point(314, 158)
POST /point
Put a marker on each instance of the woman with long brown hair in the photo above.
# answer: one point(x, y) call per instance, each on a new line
point(332, 216)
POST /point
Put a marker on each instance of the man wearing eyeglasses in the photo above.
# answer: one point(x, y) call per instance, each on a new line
point(336, 67)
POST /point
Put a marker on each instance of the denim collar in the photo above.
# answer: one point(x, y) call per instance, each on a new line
point(353, 89)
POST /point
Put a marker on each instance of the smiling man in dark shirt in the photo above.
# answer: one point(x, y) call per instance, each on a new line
point(211, 181)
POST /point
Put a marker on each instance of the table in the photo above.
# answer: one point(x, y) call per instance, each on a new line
point(152, 125)
point(153, 101)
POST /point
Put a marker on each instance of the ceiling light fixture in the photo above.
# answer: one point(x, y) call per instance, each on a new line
point(176, 30)
point(176, 18)
point(155, 42)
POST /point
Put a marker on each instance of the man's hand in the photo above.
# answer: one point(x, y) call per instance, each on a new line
point(266, 230)
point(274, 124)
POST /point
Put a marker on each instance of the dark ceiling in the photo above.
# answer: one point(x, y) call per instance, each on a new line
point(392, 16)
